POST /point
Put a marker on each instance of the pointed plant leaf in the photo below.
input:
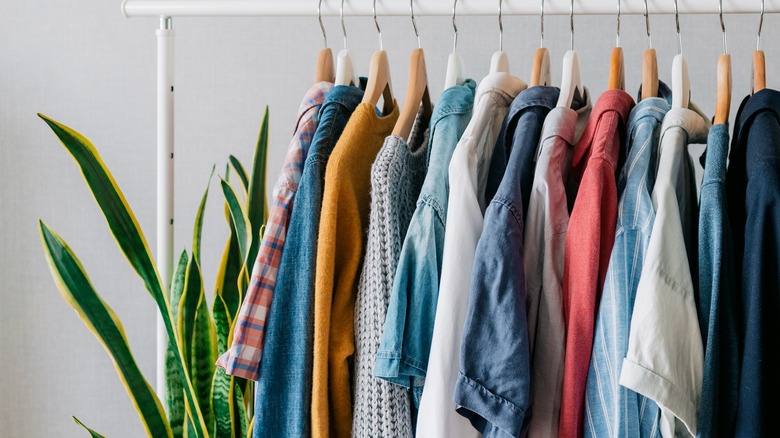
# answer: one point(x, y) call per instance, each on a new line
point(198, 229)
point(221, 323)
point(188, 307)
point(174, 389)
point(220, 399)
point(229, 269)
point(257, 204)
point(75, 287)
point(128, 235)
point(239, 219)
point(92, 433)
point(239, 168)
point(204, 354)
point(240, 421)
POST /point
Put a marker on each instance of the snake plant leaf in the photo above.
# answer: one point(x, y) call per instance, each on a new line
point(229, 269)
point(174, 390)
point(221, 400)
point(240, 420)
point(204, 354)
point(198, 229)
point(188, 307)
point(221, 322)
point(75, 287)
point(241, 173)
point(239, 219)
point(92, 433)
point(129, 237)
point(250, 428)
point(257, 204)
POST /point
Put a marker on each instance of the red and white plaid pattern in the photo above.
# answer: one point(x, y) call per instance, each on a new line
point(243, 357)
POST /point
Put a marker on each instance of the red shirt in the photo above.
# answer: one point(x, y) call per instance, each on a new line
point(589, 242)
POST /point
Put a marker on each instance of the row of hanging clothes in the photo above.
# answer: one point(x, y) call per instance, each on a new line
point(518, 259)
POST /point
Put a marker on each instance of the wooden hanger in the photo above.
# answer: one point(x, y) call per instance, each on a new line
point(759, 62)
point(324, 71)
point(649, 64)
point(540, 71)
point(379, 82)
point(649, 74)
point(379, 77)
point(617, 75)
point(723, 102)
point(416, 94)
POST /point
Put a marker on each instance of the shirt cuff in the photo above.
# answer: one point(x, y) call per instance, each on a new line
point(235, 366)
point(492, 415)
point(657, 388)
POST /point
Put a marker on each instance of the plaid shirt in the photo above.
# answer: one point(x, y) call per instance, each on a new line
point(243, 357)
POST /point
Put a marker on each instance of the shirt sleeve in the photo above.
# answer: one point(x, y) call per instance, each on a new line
point(493, 386)
point(404, 348)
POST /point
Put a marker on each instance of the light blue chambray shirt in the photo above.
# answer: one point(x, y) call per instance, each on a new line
point(612, 410)
point(402, 357)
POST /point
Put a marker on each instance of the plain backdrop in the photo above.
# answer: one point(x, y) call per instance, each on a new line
point(85, 65)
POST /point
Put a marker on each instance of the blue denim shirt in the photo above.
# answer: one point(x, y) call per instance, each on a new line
point(402, 357)
point(753, 195)
point(494, 383)
point(283, 397)
point(717, 302)
point(612, 410)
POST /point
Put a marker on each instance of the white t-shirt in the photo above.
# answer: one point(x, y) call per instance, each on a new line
point(468, 173)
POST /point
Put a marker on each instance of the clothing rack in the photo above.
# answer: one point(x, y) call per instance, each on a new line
point(167, 9)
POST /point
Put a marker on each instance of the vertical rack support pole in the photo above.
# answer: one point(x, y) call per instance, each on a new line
point(164, 178)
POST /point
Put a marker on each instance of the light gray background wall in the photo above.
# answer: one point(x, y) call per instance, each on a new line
point(85, 65)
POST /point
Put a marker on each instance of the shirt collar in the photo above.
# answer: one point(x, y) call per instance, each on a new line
point(455, 99)
point(500, 82)
point(692, 122)
point(664, 92)
point(539, 95)
point(617, 101)
point(314, 97)
point(764, 100)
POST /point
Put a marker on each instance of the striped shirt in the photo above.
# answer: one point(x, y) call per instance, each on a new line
point(243, 357)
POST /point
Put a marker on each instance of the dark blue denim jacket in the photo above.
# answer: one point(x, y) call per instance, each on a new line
point(717, 303)
point(283, 397)
point(494, 383)
point(753, 198)
point(612, 410)
point(402, 357)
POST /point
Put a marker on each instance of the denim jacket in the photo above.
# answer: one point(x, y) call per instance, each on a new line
point(283, 396)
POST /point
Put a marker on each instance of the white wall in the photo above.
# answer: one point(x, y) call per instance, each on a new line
point(85, 65)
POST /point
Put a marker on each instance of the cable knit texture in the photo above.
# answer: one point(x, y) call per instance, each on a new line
point(383, 409)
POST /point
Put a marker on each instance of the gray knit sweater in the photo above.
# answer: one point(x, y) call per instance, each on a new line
point(382, 409)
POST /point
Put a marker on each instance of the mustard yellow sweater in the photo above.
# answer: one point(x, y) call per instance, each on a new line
point(343, 222)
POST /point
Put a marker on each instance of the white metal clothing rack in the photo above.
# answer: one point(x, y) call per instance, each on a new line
point(167, 9)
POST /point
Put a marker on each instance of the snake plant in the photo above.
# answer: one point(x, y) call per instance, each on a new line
point(201, 401)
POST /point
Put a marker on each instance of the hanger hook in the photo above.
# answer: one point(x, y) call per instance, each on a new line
point(500, 26)
point(571, 22)
point(647, 28)
point(677, 23)
point(723, 27)
point(343, 28)
point(378, 30)
point(760, 25)
point(617, 38)
point(454, 27)
point(541, 25)
point(319, 16)
point(414, 24)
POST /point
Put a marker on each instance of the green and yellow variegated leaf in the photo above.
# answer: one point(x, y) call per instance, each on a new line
point(257, 204)
point(198, 229)
point(204, 354)
point(239, 168)
point(239, 218)
point(229, 269)
point(240, 420)
point(174, 389)
point(125, 229)
point(188, 308)
point(92, 433)
point(221, 323)
point(77, 290)
point(221, 400)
